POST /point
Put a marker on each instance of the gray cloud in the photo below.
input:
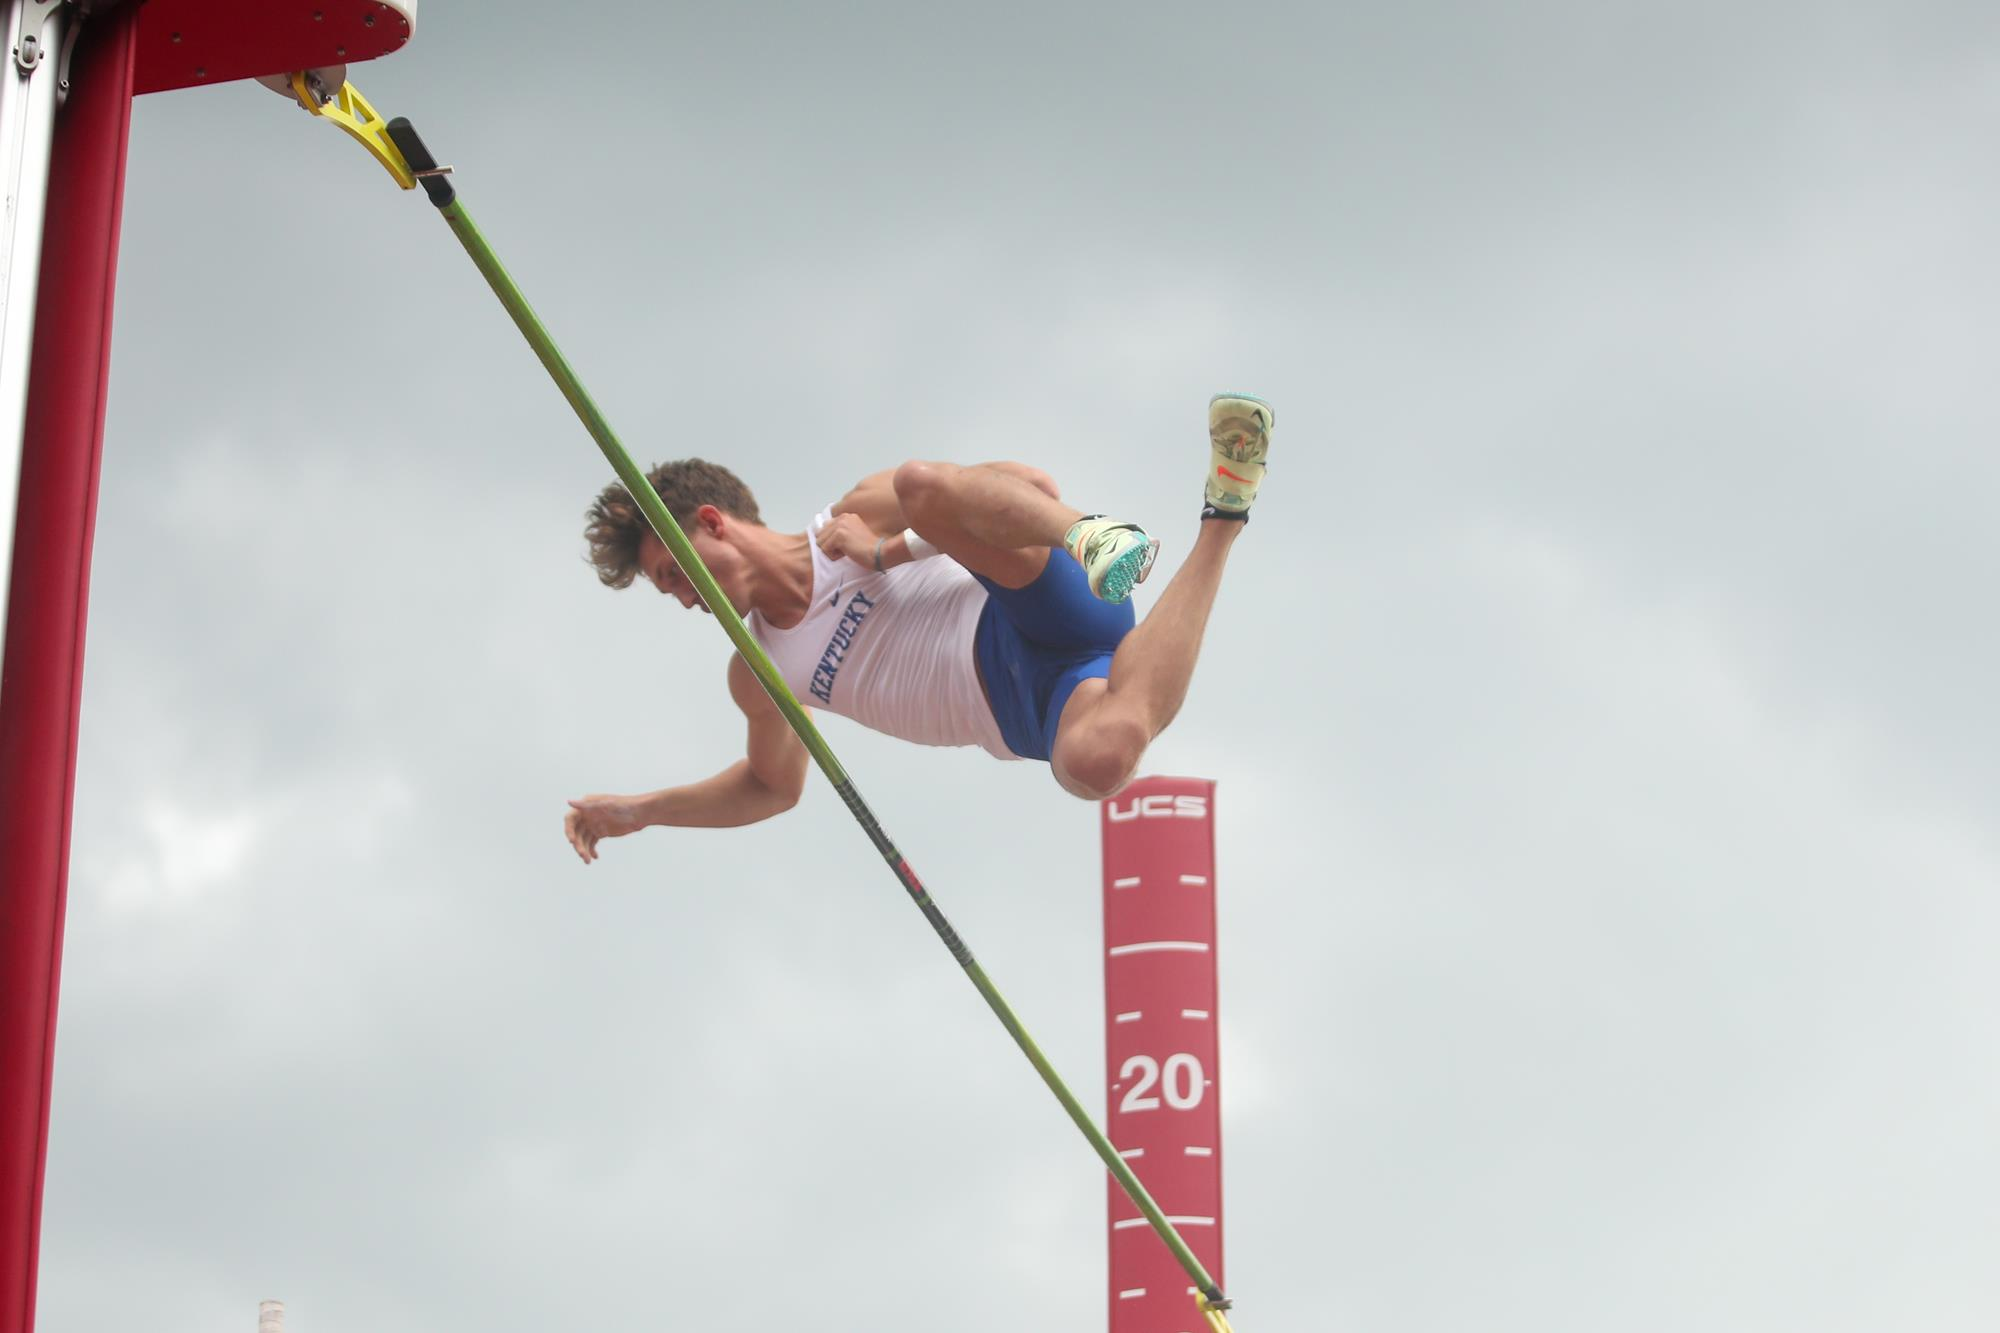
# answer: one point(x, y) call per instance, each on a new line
point(1598, 699)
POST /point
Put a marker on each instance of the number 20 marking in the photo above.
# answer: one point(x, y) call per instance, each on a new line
point(1182, 1085)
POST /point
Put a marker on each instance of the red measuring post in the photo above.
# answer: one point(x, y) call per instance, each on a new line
point(1160, 1044)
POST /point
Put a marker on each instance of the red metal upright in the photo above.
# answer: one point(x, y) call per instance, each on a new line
point(1161, 1049)
point(124, 47)
point(42, 678)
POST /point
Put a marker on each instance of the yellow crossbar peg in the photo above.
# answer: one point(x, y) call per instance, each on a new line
point(351, 111)
point(1213, 1314)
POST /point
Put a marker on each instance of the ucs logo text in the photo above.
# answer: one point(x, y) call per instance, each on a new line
point(1160, 805)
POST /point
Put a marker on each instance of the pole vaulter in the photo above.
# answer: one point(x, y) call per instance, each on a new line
point(396, 145)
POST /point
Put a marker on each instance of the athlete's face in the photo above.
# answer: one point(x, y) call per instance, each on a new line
point(657, 565)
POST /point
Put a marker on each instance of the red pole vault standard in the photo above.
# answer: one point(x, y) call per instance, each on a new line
point(122, 47)
point(42, 677)
point(1160, 1045)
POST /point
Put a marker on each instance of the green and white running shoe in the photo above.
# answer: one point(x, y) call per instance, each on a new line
point(1239, 436)
point(1115, 555)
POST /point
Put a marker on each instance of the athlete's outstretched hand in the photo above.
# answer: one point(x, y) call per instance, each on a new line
point(594, 817)
point(846, 536)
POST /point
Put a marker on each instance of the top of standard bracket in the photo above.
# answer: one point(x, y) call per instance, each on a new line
point(188, 43)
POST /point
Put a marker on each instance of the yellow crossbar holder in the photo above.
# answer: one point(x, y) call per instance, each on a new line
point(352, 112)
point(1213, 1313)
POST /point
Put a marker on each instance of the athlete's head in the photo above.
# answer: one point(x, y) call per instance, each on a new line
point(705, 498)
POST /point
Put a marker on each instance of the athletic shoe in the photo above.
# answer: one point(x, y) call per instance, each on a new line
point(1239, 435)
point(1114, 555)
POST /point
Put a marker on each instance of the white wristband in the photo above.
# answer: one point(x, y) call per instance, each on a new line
point(919, 548)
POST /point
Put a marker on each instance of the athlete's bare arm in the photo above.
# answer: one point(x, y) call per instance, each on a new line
point(767, 781)
point(873, 501)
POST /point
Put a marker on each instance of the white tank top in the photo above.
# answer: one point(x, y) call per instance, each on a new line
point(892, 650)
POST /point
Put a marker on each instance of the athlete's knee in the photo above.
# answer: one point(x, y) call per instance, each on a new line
point(922, 488)
point(1097, 760)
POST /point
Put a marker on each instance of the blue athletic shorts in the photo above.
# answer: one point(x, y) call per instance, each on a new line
point(1036, 644)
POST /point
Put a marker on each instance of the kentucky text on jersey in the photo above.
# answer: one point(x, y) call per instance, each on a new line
point(857, 611)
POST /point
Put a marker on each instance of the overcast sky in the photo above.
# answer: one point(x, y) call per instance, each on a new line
point(1600, 700)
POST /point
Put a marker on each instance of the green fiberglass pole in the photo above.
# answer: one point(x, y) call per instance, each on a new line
point(669, 530)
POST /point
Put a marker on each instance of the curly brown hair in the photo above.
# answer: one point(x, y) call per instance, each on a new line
point(614, 525)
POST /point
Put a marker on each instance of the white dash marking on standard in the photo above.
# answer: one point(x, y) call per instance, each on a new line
point(1194, 879)
point(1129, 1016)
point(1128, 882)
point(1199, 1152)
point(1194, 1013)
point(1131, 1222)
point(1131, 1153)
point(1160, 946)
point(1131, 1293)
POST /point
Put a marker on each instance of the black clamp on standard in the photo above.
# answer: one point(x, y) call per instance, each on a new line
point(434, 178)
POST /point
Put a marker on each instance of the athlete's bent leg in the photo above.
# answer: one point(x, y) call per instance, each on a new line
point(984, 513)
point(1106, 727)
point(873, 499)
point(1034, 476)
point(1098, 743)
point(1104, 730)
point(997, 522)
